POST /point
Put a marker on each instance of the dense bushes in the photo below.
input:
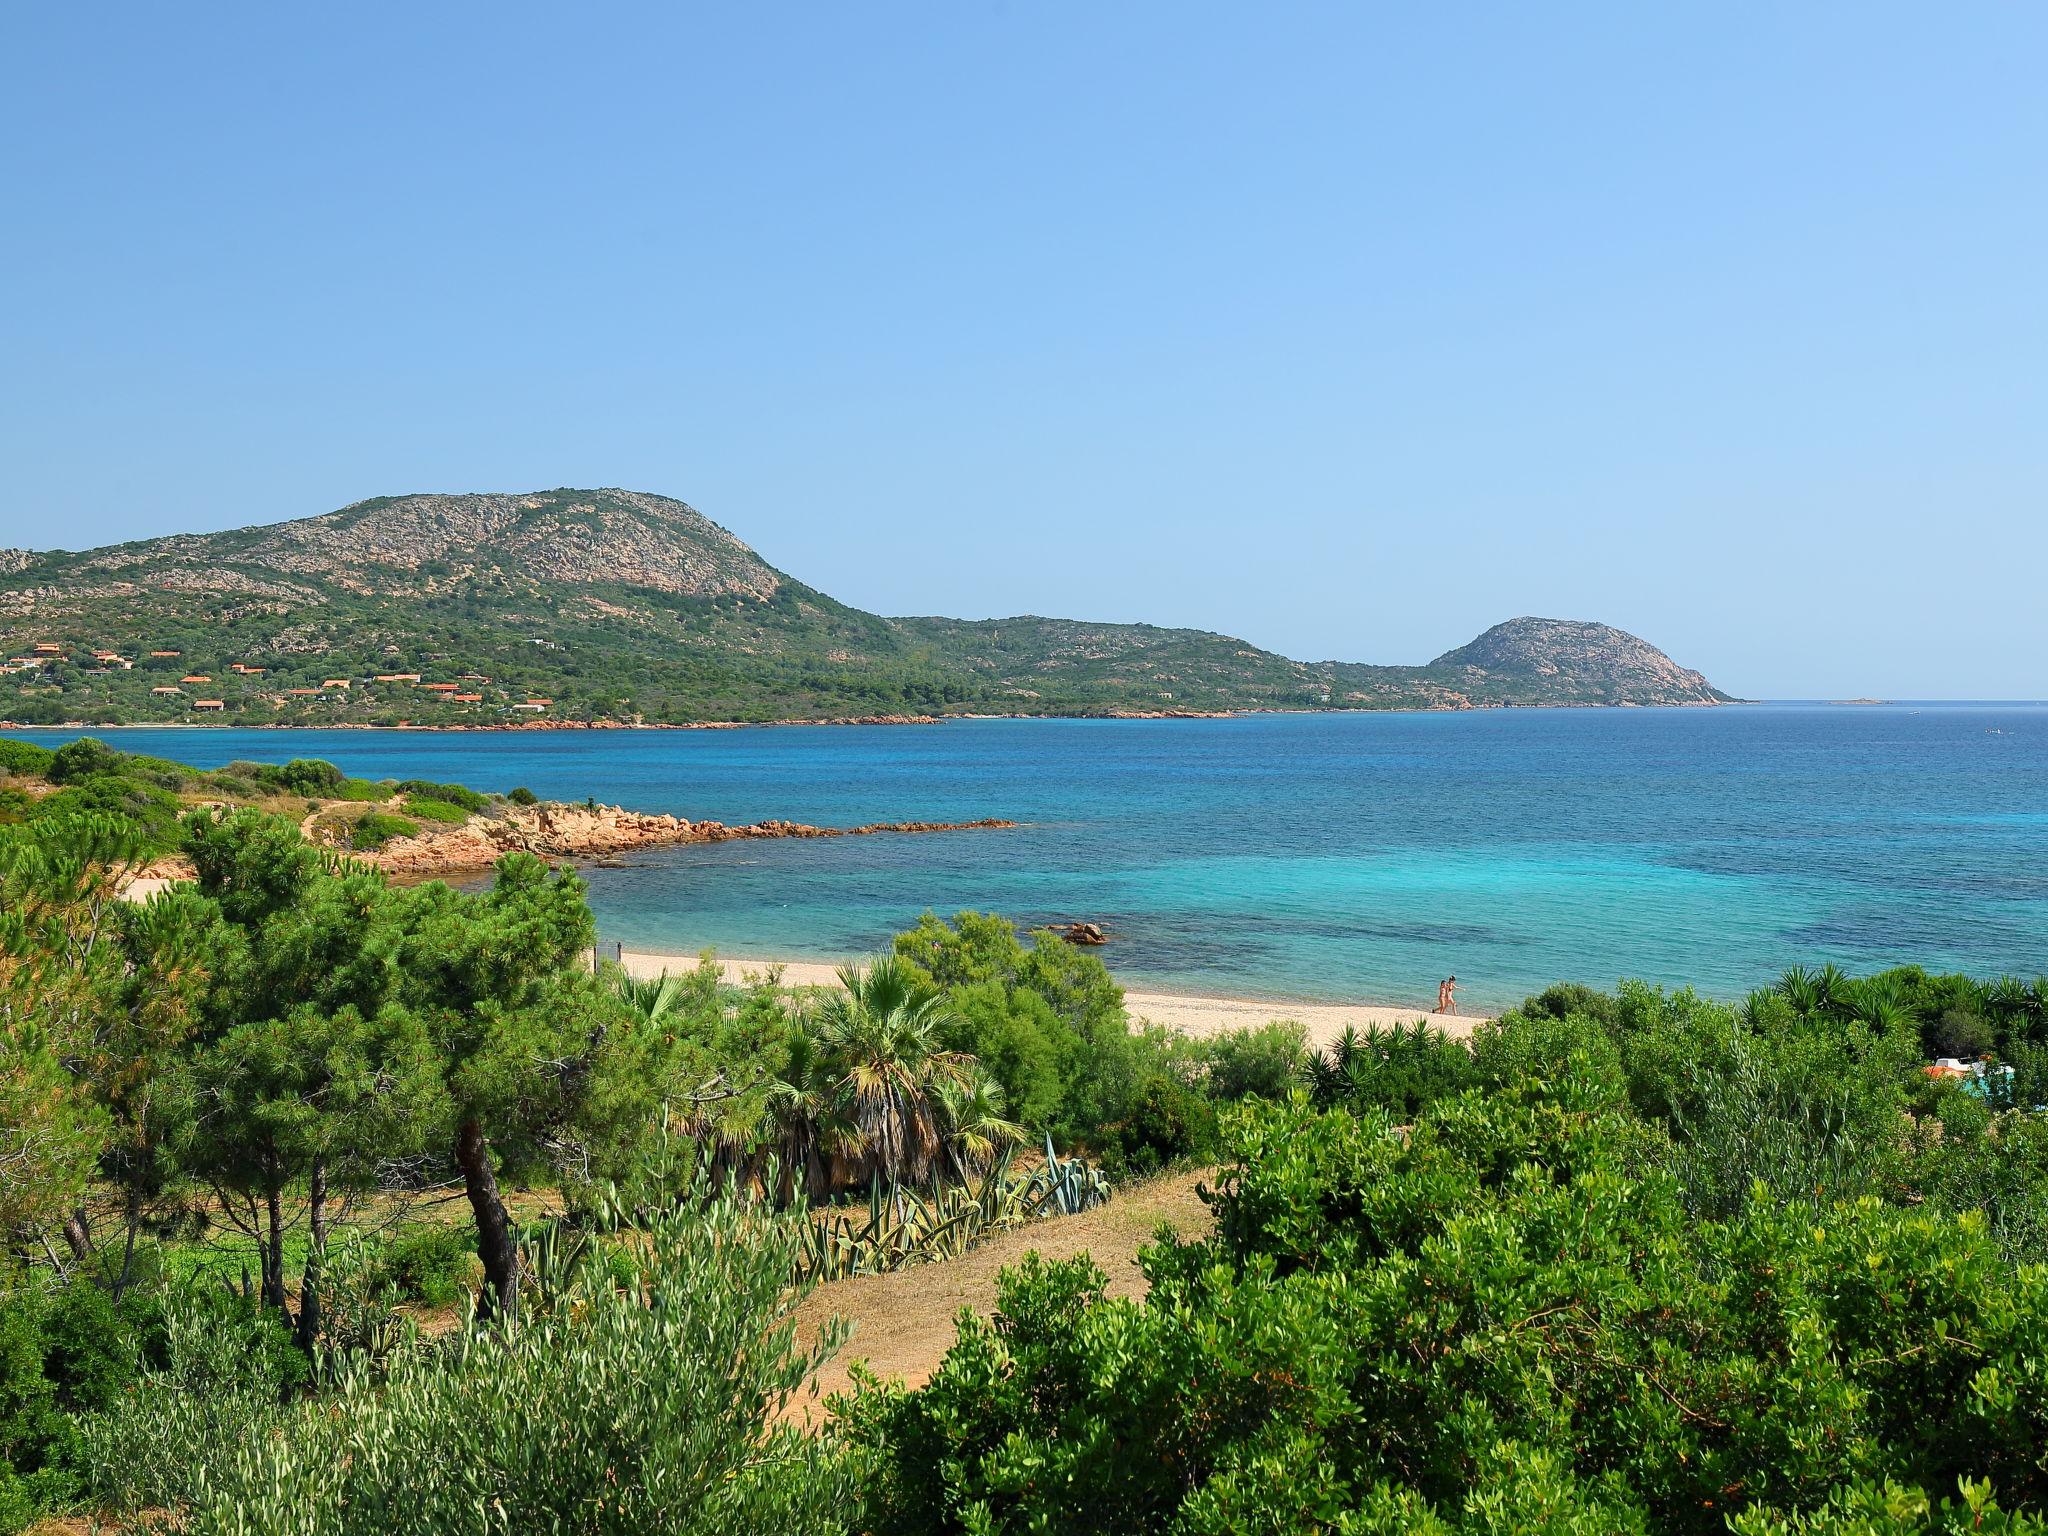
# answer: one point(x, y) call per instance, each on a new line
point(444, 812)
point(630, 1407)
point(373, 829)
point(1642, 1263)
point(418, 790)
point(24, 757)
point(65, 1351)
point(1507, 1318)
point(1048, 1023)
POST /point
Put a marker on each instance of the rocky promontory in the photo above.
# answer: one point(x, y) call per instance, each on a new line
point(554, 830)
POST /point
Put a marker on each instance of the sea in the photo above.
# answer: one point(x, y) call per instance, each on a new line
point(1320, 857)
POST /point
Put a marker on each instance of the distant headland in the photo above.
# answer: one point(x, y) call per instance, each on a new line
point(575, 608)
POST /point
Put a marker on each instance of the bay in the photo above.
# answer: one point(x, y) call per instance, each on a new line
point(1321, 857)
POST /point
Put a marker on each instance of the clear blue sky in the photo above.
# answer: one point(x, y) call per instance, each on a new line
point(1348, 329)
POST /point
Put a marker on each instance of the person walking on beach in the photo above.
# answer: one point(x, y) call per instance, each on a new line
point(1446, 994)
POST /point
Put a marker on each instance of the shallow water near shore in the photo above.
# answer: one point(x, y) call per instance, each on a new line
point(1322, 857)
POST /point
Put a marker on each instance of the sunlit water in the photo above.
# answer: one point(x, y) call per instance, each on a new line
point(1342, 857)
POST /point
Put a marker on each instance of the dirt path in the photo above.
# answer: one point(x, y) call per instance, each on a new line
point(903, 1322)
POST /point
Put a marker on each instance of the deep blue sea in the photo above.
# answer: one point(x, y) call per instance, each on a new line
point(1324, 857)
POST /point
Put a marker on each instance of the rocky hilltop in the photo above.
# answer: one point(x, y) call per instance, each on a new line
point(406, 544)
point(579, 607)
point(1591, 663)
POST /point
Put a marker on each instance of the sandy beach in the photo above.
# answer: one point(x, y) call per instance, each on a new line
point(1191, 1015)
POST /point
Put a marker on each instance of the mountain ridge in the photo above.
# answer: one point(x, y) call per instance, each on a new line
point(610, 605)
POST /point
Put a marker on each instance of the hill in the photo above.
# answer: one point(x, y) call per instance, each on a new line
point(574, 607)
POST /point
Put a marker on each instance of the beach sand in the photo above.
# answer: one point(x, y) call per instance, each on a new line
point(1196, 1016)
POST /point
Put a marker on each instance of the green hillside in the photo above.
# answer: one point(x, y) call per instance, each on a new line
point(612, 605)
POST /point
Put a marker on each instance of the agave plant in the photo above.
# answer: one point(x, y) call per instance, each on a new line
point(906, 1228)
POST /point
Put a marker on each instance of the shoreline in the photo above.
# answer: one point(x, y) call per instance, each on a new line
point(1197, 1015)
point(545, 726)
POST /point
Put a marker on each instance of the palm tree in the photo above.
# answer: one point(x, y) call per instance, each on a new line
point(882, 1036)
point(653, 998)
point(977, 1126)
point(813, 1142)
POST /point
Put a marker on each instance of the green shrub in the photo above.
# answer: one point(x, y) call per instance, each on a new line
point(228, 1370)
point(608, 1409)
point(434, 1265)
point(416, 790)
point(1045, 1018)
point(306, 776)
point(24, 757)
point(1401, 1069)
point(523, 796)
point(373, 829)
point(77, 761)
point(1167, 1122)
point(1565, 999)
point(1261, 1063)
point(1504, 1319)
point(440, 811)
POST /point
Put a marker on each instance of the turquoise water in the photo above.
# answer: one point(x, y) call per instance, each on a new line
point(1341, 857)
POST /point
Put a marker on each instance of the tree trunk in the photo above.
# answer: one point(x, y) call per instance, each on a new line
point(132, 1215)
point(77, 1235)
point(273, 1251)
point(316, 1253)
point(494, 1244)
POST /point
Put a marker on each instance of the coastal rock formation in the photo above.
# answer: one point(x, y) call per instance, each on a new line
point(558, 831)
point(551, 830)
point(1570, 660)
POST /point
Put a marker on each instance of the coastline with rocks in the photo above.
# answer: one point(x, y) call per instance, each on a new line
point(556, 831)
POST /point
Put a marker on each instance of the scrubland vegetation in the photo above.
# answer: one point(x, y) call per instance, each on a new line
point(331, 1206)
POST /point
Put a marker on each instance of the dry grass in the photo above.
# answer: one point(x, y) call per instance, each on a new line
point(904, 1321)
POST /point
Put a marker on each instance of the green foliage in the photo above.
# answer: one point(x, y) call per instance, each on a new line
point(1165, 1122)
point(24, 758)
point(1261, 1063)
point(228, 1370)
point(306, 776)
point(444, 812)
point(62, 1349)
point(418, 790)
point(523, 796)
point(612, 1409)
point(434, 1265)
point(77, 761)
point(1399, 1069)
point(1507, 1318)
point(373, 829)
point(1047, 1021)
